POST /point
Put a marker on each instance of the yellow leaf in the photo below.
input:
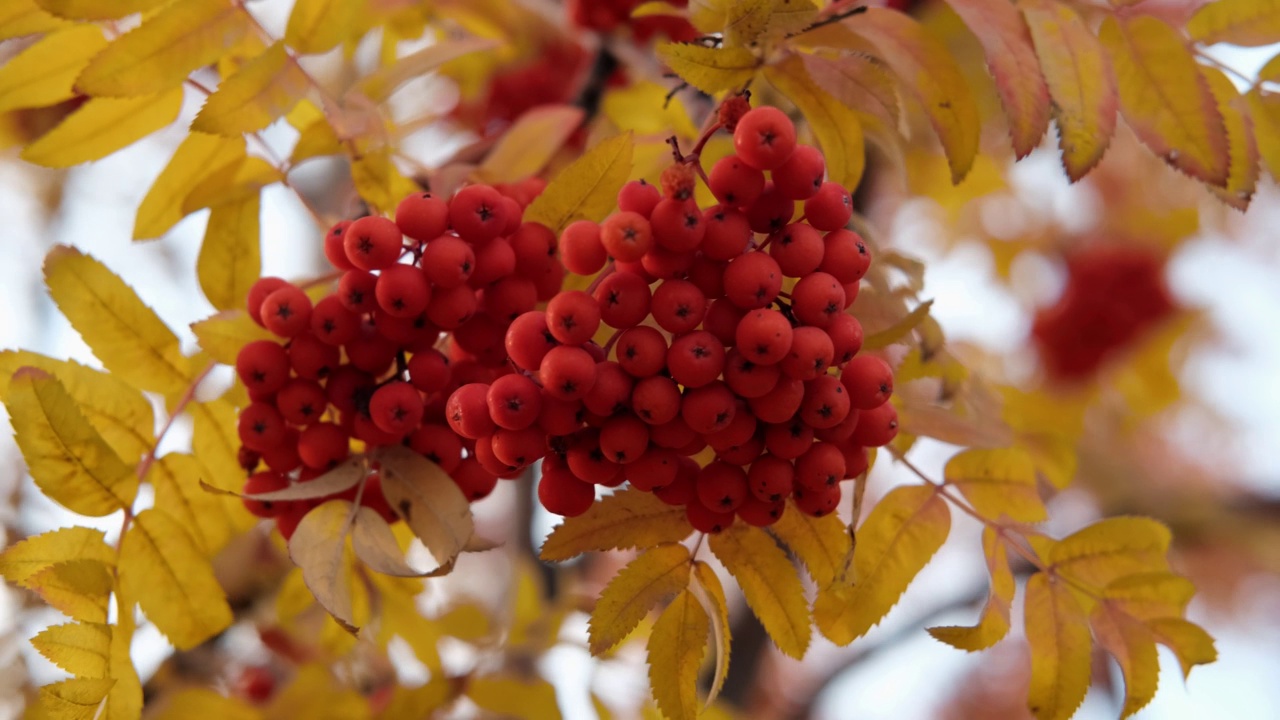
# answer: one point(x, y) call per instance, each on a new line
point(178, 493)
point(197, 702)
point(530, 143)
point(264, 89)
point(770, 583)
point(897, 331)
point(930, 73)
point(126, 335)
point(1271, 71)
point(230, 259)
point(124, 702)
point(316, 26)
point(998, 482)
point(162, 51)
point(162, 567)
point(23, 560)
point(67, 458)
point(626, 519)
point(1112, 548)
point(822, 544)
point(994, 624)
point(198, 157)
point(745, 20)
point(656, 575)
point(102, 126)
point(75, 699)
point(222, 335)
point(316, 694)
point(587, 188)
point(381, 83)
point(895, 542)
point(420, 702)
point(861, 82)
point(642, 108)
point(708, 16)
point(512, 697)
point(19, 18)
point(1134, 648)
point(1011, 58)
point(712, 70)
point(1188, 641)
point(380, 183)
point(675, 649)
point(234, 182)
point(1243, 177)
point(43, 73)
point(1252, 23)
point(428, 500)
point(834, 125)
point(1058, 633)
point(319, 547)
point(787, 17)
point(117, 410)
point(81, 649)
point(215, 442)
point(1080, 82)
point(1264, 111)
point(657, 7)
point(97, 9)
point(1165, 99)
point(79, 589)
point(315, 140)
point(710, 593)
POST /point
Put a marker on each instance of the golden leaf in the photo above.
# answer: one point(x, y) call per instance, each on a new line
point(642, 107)
point(1264, 111)
point(222, 335)
point(81, 649)
point(1112, 548)
point(381, 83)
point(19, 18)
point(1058, 633)
point(822, 544)
point(316, 26)
point(745, 21)
point(198, 702)
point(530, 143)
point(1134, 648)
point(787, 17)
point(626, 519)
point(513, 697)
point(587, 188)
point(897, 331)
point(75, 699)
point(264, 89)
point(234, 182)
point(102, 126)
point(79, 589)
point(380, 183)
point(428, 500)
point(230, 260)
point(124, 702)
point(895, 542)
point(43, 73)
point(710, 593)
point(770, 583)
point(1080, 82)
point(22, 561)
point(1243, 177)
point(175, 478)
point(710, 69)
point(834, 125)
point(994, 623)
point(317, 695)
point(675, 649)
point(161, 566)
point(1188, 641)
point(656, 575)
point(97, 9)
point(319, 547)
point(162, 51)
point(998, 482)
point(198, 157)
point(67, 458)
point(214, 442)
point(859, 81)
point(1252, 23)
point(1147, 596)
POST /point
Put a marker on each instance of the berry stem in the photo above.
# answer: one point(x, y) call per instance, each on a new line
point(606, 272)
point(613, 339)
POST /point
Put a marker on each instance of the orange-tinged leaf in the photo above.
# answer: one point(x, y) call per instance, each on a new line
point(822, 544)
point(707, 588)
point(230, 258)
point(79, 589)
point(381, 83)
point(861, 82)
point(162, 51)
point(1112, 548)
point(994, 623)
point(1264, 111)
point(316, 26)
point(998, 482)
point(199, 156)
point(67, 458)
point(1012, 60)
point(675, 649)
point(102, 126)
point(74, 699)
point(117, 410)
point(1165, 99)
point(925, 67)
point(836, 127)
point(626, 519)
point(126, 335)
point(902, 532)
point(1188, 641)
point(176, 479)
point(1134, 648)
point(1252, 23)
point(710, 69)
point(97, 9)
point(1058, 634)
point(587, 188)
point(514, 697)
point(43, 73)
point(81, 649)
point(1080, 82)
point(526, 147)
point(319, 547)
point(264, 89)
point(656, 575)
point(770, 583)
point(24, 560)
point(1243, 178)
point(162, 567)
point(428, 500)
point(233, 182)
point(19, 18)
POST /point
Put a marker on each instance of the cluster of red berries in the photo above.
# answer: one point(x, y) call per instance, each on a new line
point(705, 348)
point(1112, 296)
point(606, 16)
point(363, 362)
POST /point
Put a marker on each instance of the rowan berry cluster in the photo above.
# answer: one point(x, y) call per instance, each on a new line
point(364, 363)
point(1112, 295)
point(607, 16)
point(705, 347)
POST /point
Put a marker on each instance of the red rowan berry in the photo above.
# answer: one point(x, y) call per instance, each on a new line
point(302, 402)
point(869, 381)
point(830, 208)
point(727, 235)
point(562, 493)
point(450, 308)
point(514, 214)
point(588, 462)
point(850, 294)
point(357, 291)
point(876, 427)
point(759, 513)
point(817, 503)
point(373, 243)
point(708, 409)
point(772, 212)
point(846, 338)
point(311, 358)
point(473, 480)
point(638, 196)
point(402, 291)
point(781, 403)
point(748, 379)
point(549, 281)
point(734, 182)
point(704, 519)
point(560, 417)
point(856, 460)
point(333, 323)
point(708, 276)
point(739, 430)
point(680, 490)
point(810, 355)
point(788, 439)
point(263, 367)
point(529, 339)
point(624, 299)
point(656, 468)
point(323, 445)
point(287, 311)
point(372, 351)
point(448, 262)
point(509, 297)
point(626, 236)
point(695, 359)
point(534, 246)
point(841, 431)
point(494, 260)
point(656, 399)
point(261, 427)
point(484, 453)
point(677, 225)
point(801, 175)
point(678, 306)
point(482, 337)
point(611, 392)
point(664, 264)
point(678, 181)
point(826, 403)
point(721, 486)
point(422, 216)
point(763, 336)
point(567, 373)
point(334, 250)
point(477, 214)
point(347, 388)
point(722, 320)
point(816, 299)
point(752, 280)
point(284, 458)
point(582, 249)
point(742, 454)
point(764, 138)
point(845, 256)
point(287, 522)
point(258, 293)
point(265, 482)
point(771, 478)
point(821, 466)
point(624, 438)
point(438, 444)
point(396, 408)
point(573, 317)
point(514, 402)
point(673, 434)
point(797, 248)
point(467, 411)
point(519, 448)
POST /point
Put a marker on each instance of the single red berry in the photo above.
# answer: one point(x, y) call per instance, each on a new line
point(704, 519)
point(727, 235)
point(655, 469)
point(820, 467)
point(760, 513)
point(467, 411)
point(357, 291)
point(529, 339)
point(708, 409)
point(846, 338)
point(626, 236)
point(869, 381)
point(396, 408)
point(495, 260)
point(287, 311)
point(638, 196)
point(781, 403)
point(473, 480)
point(677, 225)
point(826, 402)
point(678, 306)
point(624, 438)
point(845, 256)
point(771, 478)
point(771, 212)
point(830, 208)
point(582, 248)
point(373, 243)
point(680, 490)
point(763, 336)
point(573, 317)
point(656, 399)
point(624, 299)
point(876, 427)
point(514, 402)
point(567, 373)
point(788, 439)
point(695, 359)
point(801, 175)
point(746, 378)
point(519, 448)
point(265, 482)
point(478, 214)
point(817, 503)
point(402, 291)
point(334, 250)
point(752, 280)
point(797, 248)
point(448, 262)
point(817, 299)
point(258, 292)
point(263, 367)
point(333, 323)
point(323, 445)
point(810, 355)
point(423, 216)
point(535, 247)
point(562, 493)
point(261, 426)
point(734, 182)
point(438, 444)
point(764, 138)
